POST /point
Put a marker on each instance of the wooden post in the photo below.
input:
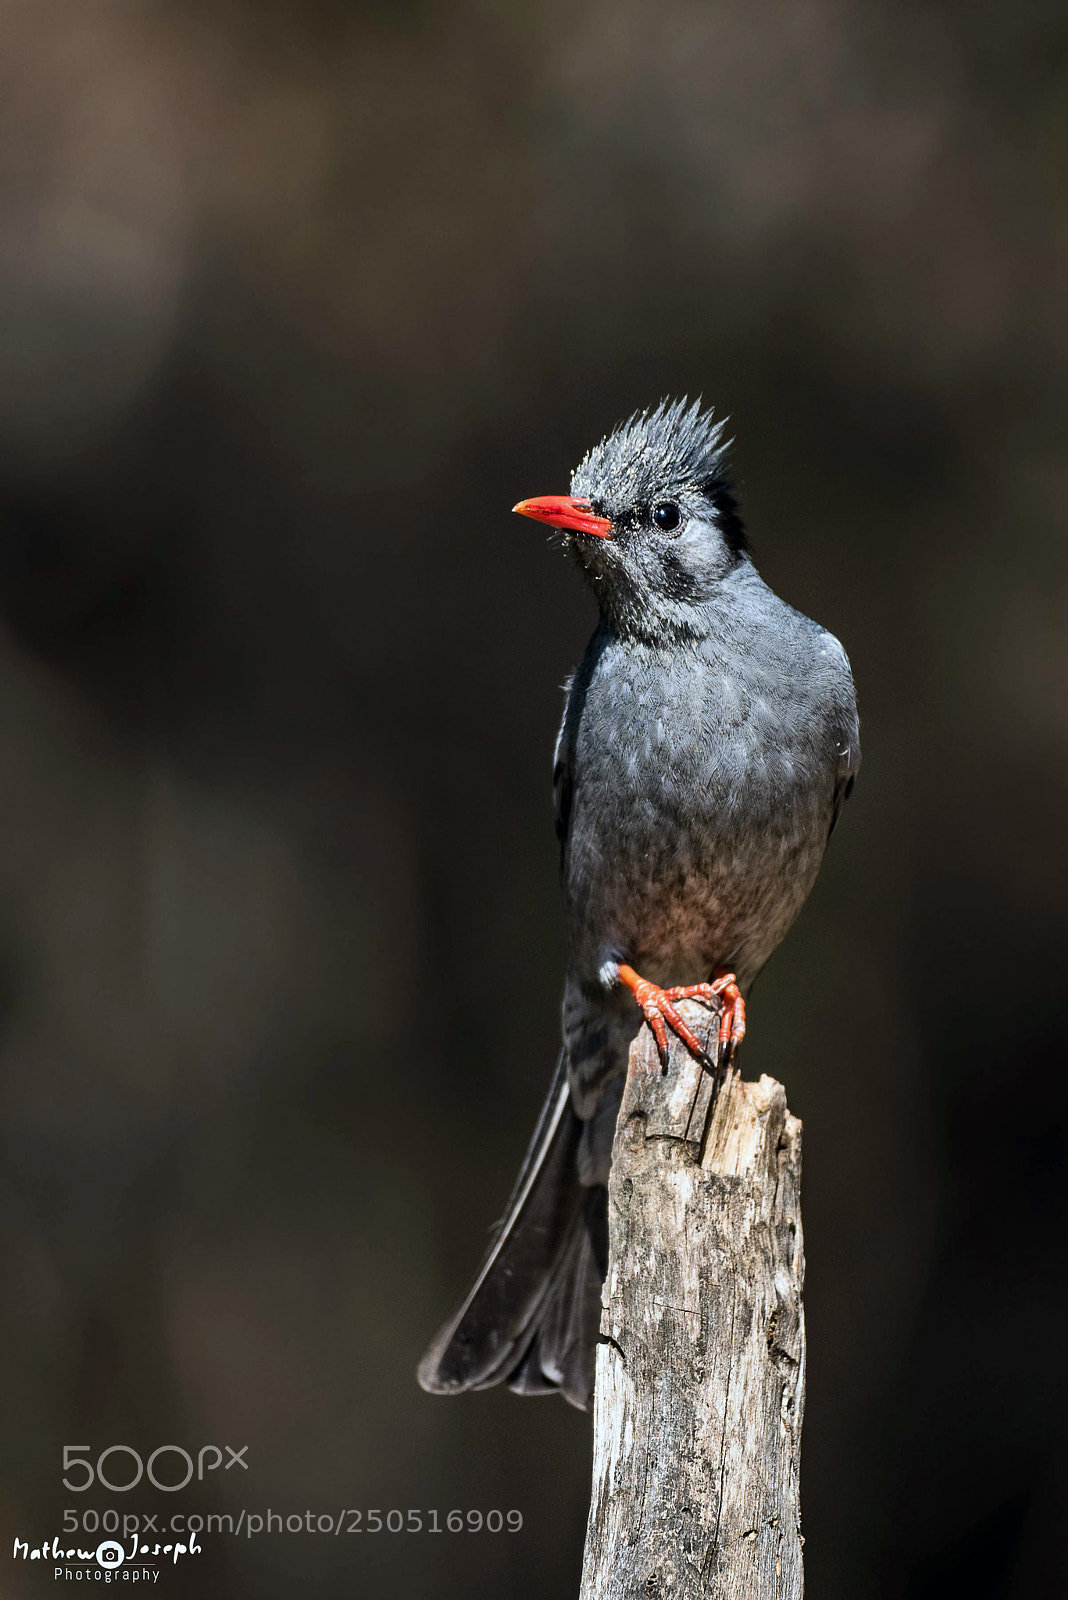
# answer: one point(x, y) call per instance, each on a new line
point(701, 1369)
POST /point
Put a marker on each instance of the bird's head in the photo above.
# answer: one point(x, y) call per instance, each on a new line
point(651, 519)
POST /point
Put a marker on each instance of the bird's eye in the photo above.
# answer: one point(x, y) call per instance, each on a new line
point(667, 515)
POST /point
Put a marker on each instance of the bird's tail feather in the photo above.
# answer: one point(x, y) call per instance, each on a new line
point(560, 1356)
point(532, 1317)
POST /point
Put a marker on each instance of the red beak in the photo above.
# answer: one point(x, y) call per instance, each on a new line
point(560, 511)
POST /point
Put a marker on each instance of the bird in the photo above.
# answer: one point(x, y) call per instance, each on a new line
point(709, 741)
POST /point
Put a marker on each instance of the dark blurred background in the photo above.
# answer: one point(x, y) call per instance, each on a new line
point(296, 300)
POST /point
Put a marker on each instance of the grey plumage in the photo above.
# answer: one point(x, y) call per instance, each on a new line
point(709, 740)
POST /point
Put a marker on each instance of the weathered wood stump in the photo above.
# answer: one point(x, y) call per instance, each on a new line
point(701, 1370)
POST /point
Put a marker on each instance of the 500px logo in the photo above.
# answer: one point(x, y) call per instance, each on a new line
point(87, 1474)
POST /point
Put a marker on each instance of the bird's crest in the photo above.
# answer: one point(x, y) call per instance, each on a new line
point(664, 449)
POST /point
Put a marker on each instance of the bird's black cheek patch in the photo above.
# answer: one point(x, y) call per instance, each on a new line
point(679, 581)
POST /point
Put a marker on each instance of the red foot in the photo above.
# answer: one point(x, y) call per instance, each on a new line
point(732, 1013)
point(660, 1013)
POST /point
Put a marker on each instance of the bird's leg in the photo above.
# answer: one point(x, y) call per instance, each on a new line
point(659, 1012)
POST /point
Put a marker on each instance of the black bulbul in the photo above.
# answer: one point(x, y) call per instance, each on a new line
point(708, 743)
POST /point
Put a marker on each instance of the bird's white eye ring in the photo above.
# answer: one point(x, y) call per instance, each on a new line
point(666, 516)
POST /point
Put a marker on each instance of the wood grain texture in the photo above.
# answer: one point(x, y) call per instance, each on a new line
point(701, 1372)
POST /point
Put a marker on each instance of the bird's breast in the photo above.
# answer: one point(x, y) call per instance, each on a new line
point(697, 818)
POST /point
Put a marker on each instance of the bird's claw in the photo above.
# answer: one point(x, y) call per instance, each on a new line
point(661, 1014)
point(658, 1009)
point(731, 1014)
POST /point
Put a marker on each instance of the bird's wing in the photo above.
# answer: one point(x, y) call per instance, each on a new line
point(562, 785)
point(575, 690)
point(847, 727)
point(842, 790)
